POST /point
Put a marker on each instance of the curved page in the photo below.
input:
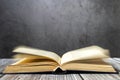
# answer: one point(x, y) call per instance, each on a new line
point(92, 52)
point(33, 51)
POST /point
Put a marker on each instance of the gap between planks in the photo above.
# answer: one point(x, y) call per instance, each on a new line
point(113, 61)
point(41, 77)
point(5, 62)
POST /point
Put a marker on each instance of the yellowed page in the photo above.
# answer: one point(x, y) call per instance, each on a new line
point(91, 52)
point(38, 52)
point(21, 56)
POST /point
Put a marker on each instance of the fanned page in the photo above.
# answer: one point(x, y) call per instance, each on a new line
point(28, 58)
point(37, 52)
point(92, 52)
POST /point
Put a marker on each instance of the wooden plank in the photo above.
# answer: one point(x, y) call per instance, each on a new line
point(21, 77)
point(41, 77)
point(115, 63)
point(76, 77)
point(100, 76)
point(117, 60)
point(111, 61)
point(4, 63)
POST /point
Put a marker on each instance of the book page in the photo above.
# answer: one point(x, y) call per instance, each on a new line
point(21, 55)
point(38, 52)
point(28, 58)
point(88, 67)
point(34, 61)
point(92, 52)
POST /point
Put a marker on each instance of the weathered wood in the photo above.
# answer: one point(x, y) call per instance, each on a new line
point(77, 77)
point(41, 77)
point(112, 61)
point(100, 76)
point(115, 62)
point(21, 77)
point(4, 63)
point(61, 77)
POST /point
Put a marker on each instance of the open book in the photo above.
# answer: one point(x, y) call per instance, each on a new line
point(36, 60)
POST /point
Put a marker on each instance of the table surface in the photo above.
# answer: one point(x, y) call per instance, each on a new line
point(76, 76)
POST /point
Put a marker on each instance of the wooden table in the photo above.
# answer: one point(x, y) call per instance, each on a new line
point(78, 76)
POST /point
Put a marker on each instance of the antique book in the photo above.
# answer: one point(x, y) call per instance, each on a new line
point(35, 60)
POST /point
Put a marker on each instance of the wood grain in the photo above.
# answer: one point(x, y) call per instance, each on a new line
point(81, 76)
point(115, 62)
point(41, 77)
point(4, 63)
point(100, 76)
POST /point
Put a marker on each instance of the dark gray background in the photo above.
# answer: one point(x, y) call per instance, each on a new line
point(59, 25)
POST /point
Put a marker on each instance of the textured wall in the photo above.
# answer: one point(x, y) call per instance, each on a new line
point(59, 25)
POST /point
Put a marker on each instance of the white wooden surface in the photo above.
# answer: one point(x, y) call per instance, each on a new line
point(78, 76)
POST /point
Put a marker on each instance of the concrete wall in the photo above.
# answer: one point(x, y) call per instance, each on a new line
point(59, 25)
